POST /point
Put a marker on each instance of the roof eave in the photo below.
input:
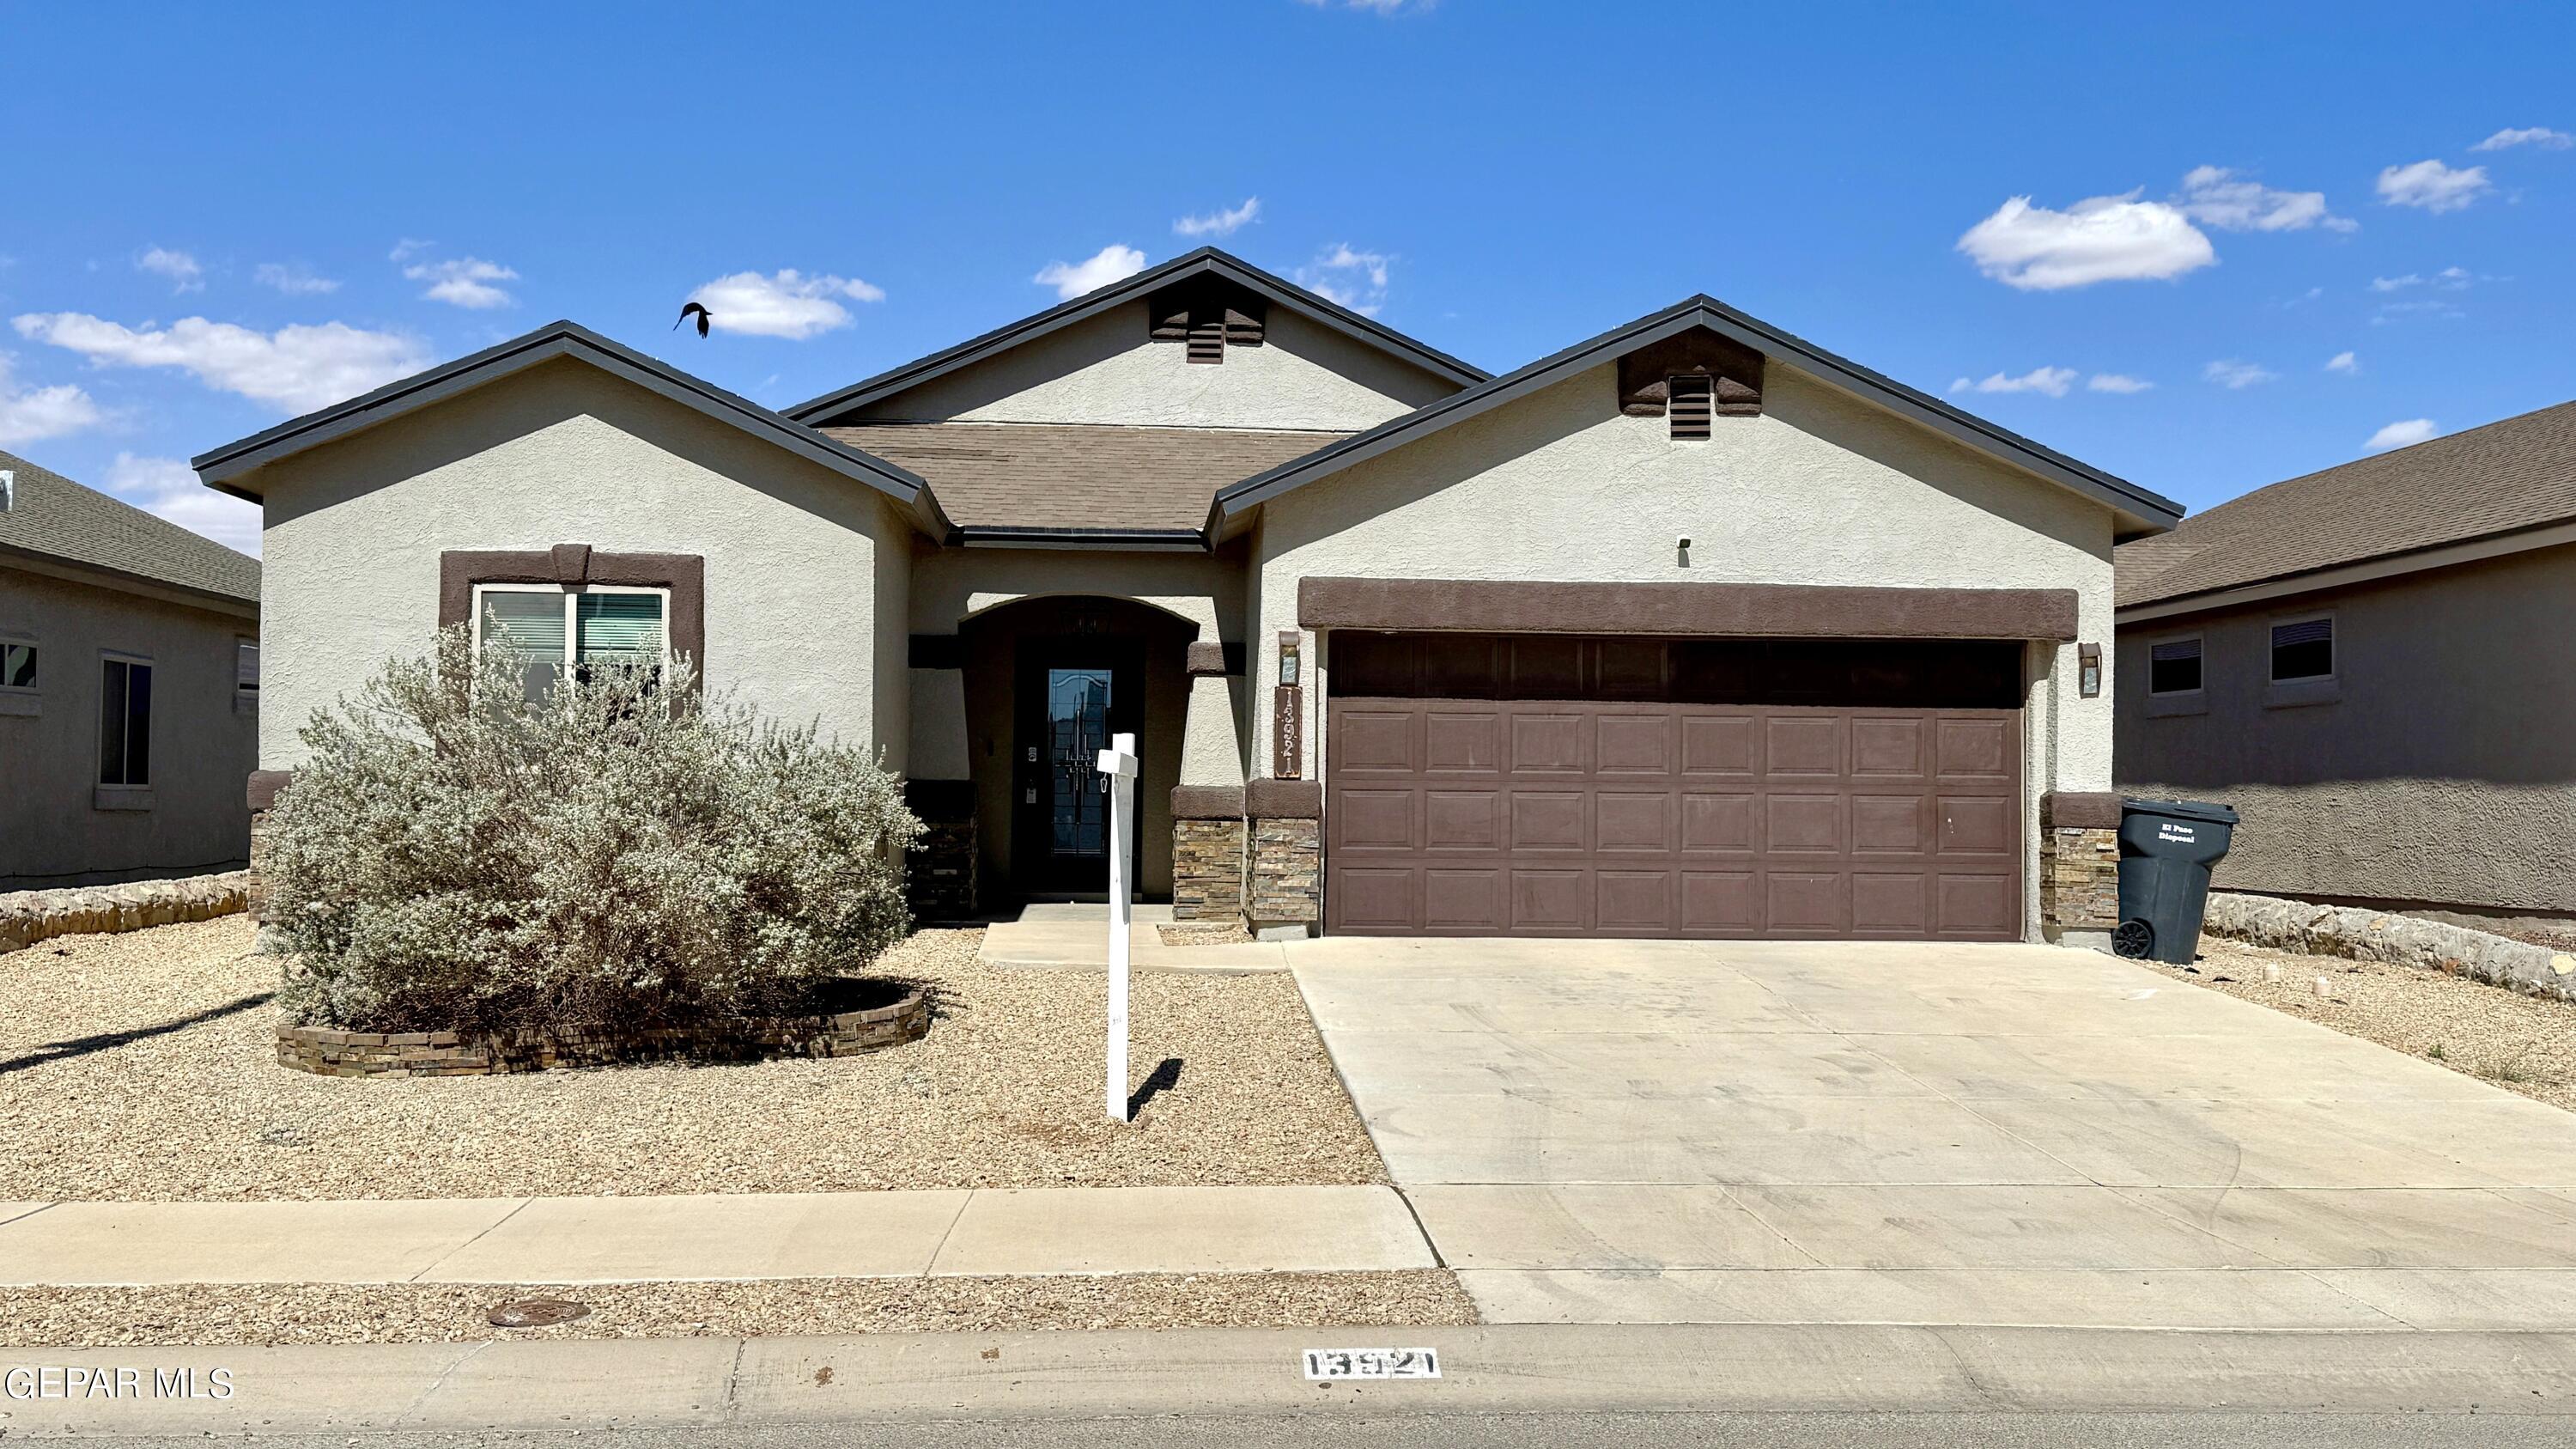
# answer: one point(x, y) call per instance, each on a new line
point(2139, 511)
point(1090, 304)
point(80, 570)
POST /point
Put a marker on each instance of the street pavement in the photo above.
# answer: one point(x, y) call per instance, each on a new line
point(1662, 1131)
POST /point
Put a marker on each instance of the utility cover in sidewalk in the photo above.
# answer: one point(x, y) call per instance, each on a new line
point(537, 1313)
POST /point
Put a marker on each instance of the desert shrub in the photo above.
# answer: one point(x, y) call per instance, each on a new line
point(617, 855)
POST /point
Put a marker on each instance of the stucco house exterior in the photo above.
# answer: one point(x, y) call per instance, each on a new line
point(129, 690)
point(2372, 664)
point(1693, 629)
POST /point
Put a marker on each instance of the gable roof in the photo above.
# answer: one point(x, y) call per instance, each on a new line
point(1205, 261)
point(53, 517)
point(221, 466)
point(2139, 510)
point(1088, 478)
point(2501, 479)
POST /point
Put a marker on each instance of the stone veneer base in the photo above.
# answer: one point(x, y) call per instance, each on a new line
point(330, 1053)
point(1207, 870)
point(1286, 873)
point(2079, 880)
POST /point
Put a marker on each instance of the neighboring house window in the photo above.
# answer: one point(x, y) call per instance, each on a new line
point(2173, 667)
point(1693, 402)
point(2303, 649)
point(246, 667)
point(561, 629)
point(125, 723)
point(17, 665)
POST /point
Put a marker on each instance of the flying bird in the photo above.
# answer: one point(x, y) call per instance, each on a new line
point(704, 317)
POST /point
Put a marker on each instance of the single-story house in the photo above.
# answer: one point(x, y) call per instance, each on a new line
point(1692, 629)
point(129, 689)
point(2372, 664)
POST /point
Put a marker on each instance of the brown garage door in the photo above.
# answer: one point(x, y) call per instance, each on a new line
point(1547, 786)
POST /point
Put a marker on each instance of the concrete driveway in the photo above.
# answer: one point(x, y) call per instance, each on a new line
point(1800, 1133)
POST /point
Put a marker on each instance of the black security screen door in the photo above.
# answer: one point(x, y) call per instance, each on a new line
point(1073, 696)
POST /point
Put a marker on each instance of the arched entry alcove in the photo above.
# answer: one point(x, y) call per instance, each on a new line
point(1046, 681)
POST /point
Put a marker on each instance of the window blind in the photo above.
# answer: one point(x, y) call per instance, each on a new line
point(529, 623)
point(619, 626)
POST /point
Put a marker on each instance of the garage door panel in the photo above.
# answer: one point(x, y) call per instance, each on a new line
point(1454, 820)
point(1890, 903)
point(1633, 744)
point(1627, 822)
point(1455, 741)
point(1614, 812)
point(1806, 902)
point(1375, 820)
point(1549, 900)
point(1547, 820)
point(1715, 821)
point(1633, 902)
point(1549, 743)
point(1802, 744)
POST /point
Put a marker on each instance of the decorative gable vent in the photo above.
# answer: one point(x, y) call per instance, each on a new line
point(1723, 379)
point(1692, 402)
point(1206, 315)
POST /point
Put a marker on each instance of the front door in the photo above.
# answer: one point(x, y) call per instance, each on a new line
point(1073, 695)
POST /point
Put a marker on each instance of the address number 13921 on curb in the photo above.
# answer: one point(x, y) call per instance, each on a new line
point(1372, 1363)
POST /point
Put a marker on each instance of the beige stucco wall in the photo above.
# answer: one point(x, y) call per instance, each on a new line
point(1106, 370)
point(2444, 771)
point(796, 575)
point(1820, 489)
point(203, 745)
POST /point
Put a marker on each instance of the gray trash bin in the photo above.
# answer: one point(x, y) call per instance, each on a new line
point(2166, 850)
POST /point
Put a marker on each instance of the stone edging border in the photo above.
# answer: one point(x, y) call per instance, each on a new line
point(27, 917)
point(331, 1053)
point(2368, 935)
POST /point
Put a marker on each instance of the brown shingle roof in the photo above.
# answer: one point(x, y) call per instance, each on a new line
point(2510, 475)
point(1052, 475)
point(59, 518)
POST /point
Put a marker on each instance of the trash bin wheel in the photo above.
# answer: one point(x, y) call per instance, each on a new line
point(2134, 939)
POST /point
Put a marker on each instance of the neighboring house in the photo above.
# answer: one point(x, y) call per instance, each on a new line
point(1693, 629)
point(2373, 665)
point(129, 689)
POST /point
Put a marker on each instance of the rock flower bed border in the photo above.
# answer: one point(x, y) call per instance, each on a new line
point(2311, 929)
point(330, 1053)
point(27, 917)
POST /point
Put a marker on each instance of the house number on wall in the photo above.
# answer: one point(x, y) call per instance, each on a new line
point(1287, 738)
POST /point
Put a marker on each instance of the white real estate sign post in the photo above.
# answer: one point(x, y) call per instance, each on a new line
point(1118, 772)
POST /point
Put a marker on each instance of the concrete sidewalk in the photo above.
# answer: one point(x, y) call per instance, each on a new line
point(962, 1233)
point(913, 1379)
point(1075, 937)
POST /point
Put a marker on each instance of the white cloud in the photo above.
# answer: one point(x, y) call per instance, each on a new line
point(1344, 275)
point(2527, 136)
point(29, 414)
point(168, 488)
point(2119, 382)
point(2230, 372)
point(464, 282)
point(1112, 263)
point(182, 269)
point(2050, 380)
point(2218, 197)
point(2395, 284)
point(407, 248)
point(294, 279)
point(2399, 435)
point(2099, 239)
point(296, 369)
point(2431, 185)
point(786, 303)
point(1225, 221)
point(2345, 363)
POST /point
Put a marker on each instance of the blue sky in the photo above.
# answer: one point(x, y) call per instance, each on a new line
point(2140, 241)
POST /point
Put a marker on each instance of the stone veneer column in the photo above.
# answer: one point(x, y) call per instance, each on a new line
point(1207, 804)
point(1285, 877)
point(2079, 868)
point(264, 788)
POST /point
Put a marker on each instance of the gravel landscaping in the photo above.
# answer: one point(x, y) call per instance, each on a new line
point(141, 1066)
point(274, 1313)
point(2524, 1044)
